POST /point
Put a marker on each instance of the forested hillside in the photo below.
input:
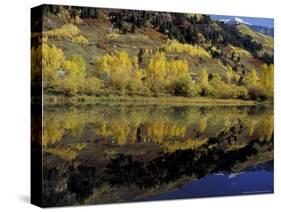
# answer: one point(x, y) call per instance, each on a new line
point(109, 52)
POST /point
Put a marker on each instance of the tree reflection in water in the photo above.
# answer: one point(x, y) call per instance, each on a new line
point(102, 154)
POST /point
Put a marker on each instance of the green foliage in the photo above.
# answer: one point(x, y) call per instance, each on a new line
point(91, 85)
point(219, 89)
point(257, 92)
point(184, 86)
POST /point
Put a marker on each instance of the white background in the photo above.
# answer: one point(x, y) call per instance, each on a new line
point(15, 98)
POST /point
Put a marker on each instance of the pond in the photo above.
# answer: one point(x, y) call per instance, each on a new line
point(124, 153)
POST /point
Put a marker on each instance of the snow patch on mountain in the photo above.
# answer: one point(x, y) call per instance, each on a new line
point(235, 20)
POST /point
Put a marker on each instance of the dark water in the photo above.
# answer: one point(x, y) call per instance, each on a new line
point(104, 154)
point(223, 184)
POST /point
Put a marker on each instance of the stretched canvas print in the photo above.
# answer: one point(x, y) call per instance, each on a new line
point(131, 105)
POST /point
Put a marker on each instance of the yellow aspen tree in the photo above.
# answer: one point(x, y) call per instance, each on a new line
point(52, 60)
point(203, 78)
point(252, 78)
point(267, 78)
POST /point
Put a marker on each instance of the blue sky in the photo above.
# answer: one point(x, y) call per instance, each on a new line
point(268, 22)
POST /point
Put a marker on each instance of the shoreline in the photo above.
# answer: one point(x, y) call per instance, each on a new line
point(139, 100)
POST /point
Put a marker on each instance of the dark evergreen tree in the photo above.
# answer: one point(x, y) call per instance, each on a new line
point(133, 29)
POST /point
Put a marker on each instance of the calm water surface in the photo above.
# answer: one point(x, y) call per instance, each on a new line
point(102, 154)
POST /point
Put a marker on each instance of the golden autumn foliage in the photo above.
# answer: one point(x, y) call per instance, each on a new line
point(112, 36)
point(73, 75)
point(173, 46)
point(252, 78)
point(167, 74)
point(184, 86)
point(56, 125)
point(229, 75)
point(80, 39)
point(119, 71)
point(91, 85)
point(203, 78)
point(121, 74)
point(165, 129)
point(114, 69)
point(36, 66)
point(267, 79)
point(68, 152)
point(154, 71)
point(52, 60)
point(69, 32)
point(203, 81)
point(76, 65)
point(66, 32)
point(219, 89)
point(239, 51)
point(177, 69)
point(136, 83)
point(264, 129)
point(65, 76)
point(261, 87)
point(189, 144)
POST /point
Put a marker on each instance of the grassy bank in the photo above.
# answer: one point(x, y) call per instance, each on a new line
point(139, 100)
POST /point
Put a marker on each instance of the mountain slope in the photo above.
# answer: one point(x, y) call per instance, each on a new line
point(128, 52)
point(264, 30)
point(264, 40)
